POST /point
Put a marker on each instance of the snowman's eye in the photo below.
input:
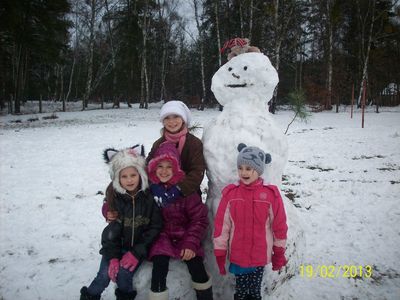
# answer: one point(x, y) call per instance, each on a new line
point(229, 69)
point(245, 68)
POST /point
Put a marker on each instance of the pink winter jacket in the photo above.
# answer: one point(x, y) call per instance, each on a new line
point(250, 220)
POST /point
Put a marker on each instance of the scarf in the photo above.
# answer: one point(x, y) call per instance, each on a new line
point(179, 137)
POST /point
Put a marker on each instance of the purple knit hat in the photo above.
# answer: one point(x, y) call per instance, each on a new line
point(166, 151)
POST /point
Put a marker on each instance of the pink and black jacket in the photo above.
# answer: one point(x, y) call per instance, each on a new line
point(250, 220)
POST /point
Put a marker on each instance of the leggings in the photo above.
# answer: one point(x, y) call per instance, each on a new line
point(249, 284)
point(160, 272)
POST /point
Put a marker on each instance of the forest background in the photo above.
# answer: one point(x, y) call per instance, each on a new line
point(98, 51)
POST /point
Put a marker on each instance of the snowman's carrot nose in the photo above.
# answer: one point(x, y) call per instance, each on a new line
point(236, 76)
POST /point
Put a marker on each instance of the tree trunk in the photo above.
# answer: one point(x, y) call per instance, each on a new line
point(62, 98)
point(163, 74)
point(144, 84)
point(241, 19)
point(200, 40)
point(90, 59)
point(366, 57)
point(251, 20)
point(18, 79)
point(281, 24)
point(328, 101)
point(113, 53)
point(216, 10)
point(71, 78)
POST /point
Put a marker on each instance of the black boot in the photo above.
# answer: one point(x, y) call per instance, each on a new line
point(204, 294)
point(203, 290)
point(86, 296)
point(125, 296)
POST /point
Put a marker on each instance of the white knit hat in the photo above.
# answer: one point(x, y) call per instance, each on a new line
point(119, 160)
point(175, 107)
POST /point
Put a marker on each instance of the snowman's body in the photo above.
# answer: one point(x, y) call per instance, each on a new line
point(243, 86)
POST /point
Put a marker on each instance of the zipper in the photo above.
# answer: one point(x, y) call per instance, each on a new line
point(133, 218)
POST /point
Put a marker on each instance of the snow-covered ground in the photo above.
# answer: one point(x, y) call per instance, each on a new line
point(344, 180)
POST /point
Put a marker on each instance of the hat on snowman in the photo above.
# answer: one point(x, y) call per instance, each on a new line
point(237, 46)
point(253, 157)
point(175, 107)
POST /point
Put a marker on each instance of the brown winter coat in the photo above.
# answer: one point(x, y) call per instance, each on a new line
point(192, 163)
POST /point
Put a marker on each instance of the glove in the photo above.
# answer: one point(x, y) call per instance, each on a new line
point(164, 196)
point(113, 269)
point(278, 258)
point(221, 264)
point(129, 261)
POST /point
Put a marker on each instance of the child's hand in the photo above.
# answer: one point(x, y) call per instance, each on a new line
point(278, 258)
point(113, 269)
point(187, 254)
point(111, 216)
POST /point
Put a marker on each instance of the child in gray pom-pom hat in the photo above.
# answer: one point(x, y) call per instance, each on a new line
point(250, 225)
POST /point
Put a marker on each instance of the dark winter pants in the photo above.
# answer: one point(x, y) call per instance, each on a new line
point(99, 284)
point(160, 272)
point(249, 284)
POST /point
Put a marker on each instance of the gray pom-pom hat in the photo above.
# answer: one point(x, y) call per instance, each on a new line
point(253, 157)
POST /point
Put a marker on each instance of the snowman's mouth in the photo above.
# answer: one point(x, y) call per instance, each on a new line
point(237, 85)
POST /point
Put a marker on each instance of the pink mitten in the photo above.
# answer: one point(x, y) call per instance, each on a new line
point(278, 258)
point(113, 269)
point(129, 261)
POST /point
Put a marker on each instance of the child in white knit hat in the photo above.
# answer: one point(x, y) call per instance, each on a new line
point(176, 119)
point(250, 225)
point(126, 240)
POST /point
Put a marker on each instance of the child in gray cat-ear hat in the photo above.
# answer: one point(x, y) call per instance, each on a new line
point(126, 240)
point(250, 225)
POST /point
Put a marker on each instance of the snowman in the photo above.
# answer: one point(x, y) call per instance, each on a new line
point(243, 86)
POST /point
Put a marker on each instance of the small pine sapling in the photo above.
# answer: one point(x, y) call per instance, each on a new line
point(297, 103)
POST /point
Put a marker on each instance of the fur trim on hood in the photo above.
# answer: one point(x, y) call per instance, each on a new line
point(121, 159)
point(166, 151)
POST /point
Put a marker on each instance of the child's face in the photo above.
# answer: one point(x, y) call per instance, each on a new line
point(173, 123)
point(164, 171)
point(247, 174)
point(129, 179)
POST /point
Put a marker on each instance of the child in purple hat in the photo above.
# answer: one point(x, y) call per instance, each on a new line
point(185, 223)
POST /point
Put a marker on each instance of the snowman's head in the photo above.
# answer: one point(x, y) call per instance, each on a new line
point(246, 76)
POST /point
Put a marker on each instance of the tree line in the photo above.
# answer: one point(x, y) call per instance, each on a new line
point(150, 50)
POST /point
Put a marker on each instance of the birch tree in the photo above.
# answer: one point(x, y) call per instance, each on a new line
point(282, 18)
point(197, 6)
point(144, 80)
point(89, 78)
point(366, 41)
point(113, 49)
